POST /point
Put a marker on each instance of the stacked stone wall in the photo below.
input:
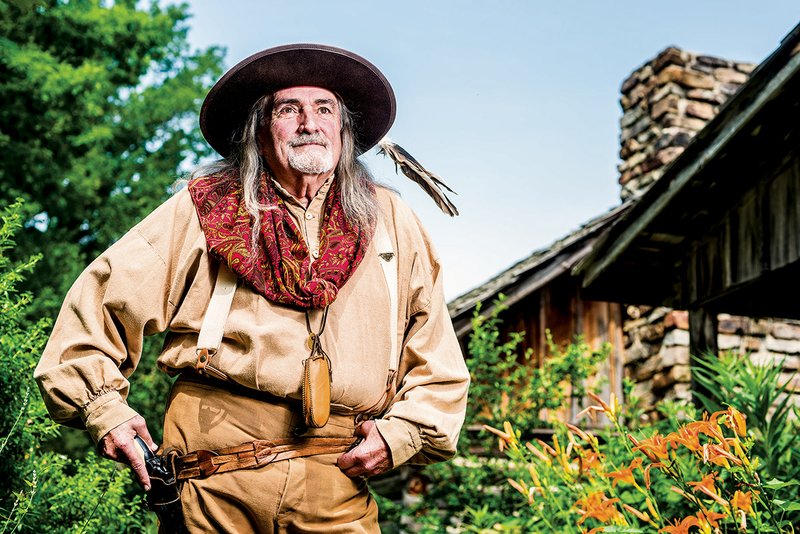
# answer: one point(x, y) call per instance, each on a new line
point(657, 350)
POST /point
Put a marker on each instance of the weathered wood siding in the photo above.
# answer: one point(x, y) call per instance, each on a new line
point(757, 235)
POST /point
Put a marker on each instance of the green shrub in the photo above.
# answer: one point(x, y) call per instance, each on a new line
point(43, 491)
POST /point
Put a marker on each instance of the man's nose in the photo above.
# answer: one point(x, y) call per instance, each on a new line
point(308, 122)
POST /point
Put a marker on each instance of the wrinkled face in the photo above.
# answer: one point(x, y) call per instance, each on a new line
point(304, 132)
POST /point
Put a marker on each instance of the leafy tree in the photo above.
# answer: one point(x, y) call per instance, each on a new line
point(99, 113)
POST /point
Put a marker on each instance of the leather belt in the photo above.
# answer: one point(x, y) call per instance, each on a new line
point(258, 453)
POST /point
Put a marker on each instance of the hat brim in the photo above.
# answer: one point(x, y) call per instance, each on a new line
point(364, 89)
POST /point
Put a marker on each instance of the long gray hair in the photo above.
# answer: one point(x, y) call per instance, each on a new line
point(356, 181)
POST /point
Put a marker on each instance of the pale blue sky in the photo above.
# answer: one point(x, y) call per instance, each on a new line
point(514, 103)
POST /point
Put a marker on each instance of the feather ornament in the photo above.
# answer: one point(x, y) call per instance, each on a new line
point(430, 182)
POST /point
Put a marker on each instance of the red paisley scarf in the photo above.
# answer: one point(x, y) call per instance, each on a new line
point(280, 268)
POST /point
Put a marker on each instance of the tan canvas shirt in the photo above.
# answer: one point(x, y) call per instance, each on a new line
point(160, 277)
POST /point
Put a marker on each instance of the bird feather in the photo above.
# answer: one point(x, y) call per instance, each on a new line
point(430, 182)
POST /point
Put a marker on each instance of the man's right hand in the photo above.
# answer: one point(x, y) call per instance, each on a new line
point(119, 445)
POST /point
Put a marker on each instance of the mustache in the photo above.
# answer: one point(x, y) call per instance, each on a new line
point(305, 139)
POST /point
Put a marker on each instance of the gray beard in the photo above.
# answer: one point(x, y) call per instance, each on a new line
point(311, 162)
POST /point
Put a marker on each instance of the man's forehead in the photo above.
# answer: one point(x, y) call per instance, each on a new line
point(304, 92)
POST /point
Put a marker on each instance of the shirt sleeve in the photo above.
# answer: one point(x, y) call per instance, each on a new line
point(424, 421)
point(128, 292)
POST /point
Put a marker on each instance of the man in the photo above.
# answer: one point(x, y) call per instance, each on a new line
point(338, 287)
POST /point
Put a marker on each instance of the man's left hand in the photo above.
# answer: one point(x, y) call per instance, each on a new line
point(371, 457)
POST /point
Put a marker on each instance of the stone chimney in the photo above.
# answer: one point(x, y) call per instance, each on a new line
point(665, 102)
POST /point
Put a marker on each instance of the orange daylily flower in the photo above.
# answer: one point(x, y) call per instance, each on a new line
point(590, 460)
point(743, 501)
point(598, 506)
point(683, 526)
point(719, 456)
point(687, 437)
point(657, 465)
point(707, 487)
point(626, 474)
point(655, 447)
point(736, 421)
point(710, 518)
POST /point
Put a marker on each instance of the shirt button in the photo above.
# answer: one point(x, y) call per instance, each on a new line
point(309, 216)
point(315, 254)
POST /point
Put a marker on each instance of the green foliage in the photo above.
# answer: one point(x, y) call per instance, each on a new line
point(507, 386)
point(44, 491)
point(23, 418)
point(471, 491)
point(99, 112)
point(760, 393)
point(628, 477)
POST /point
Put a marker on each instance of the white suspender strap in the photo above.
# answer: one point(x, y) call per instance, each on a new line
point(216, 315)
point(388, 260)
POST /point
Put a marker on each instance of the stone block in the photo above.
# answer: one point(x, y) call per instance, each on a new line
point(662, 380)
point(759, 327)
point(669, 56)
point(688, 123)
point(630, 147)
point(701, 110)
point(662, 158)
point(676, 374)
point(766, 358)
point(677, 319)
point(674, 355)
point(626, 177)
point(783, 330)
point(753, 344)
point(634, 312)
point(790, 363)
point(686, 78)
point(713, 61)
point(784, 346)
point(681, 373)
point(726, 75)
point(632, 161)
point(729, 89)
point(729, 342)
point(652, 332)
point(644, 390)
point(630, 82)
point(680, 138)
point(792, 381)
point(646, 137)
point(666, 90)
point(631, 116)
point(705, 69)
point(705, 95)
point(657, 313)
point(676, 337)
point(747, 68)
point(636, 352)
point(733, 324)
point(665, 105)
point(646, 369)
point(679, 392)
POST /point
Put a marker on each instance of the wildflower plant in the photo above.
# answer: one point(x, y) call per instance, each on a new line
point(700, 476)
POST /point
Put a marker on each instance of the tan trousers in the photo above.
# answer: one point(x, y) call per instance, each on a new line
point(300, 495)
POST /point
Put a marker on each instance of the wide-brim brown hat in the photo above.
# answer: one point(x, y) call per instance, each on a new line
point(365, 91)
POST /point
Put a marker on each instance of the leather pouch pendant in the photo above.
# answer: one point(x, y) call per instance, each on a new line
point(316, 389)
